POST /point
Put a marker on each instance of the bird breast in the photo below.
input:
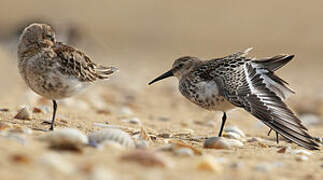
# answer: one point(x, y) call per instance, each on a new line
point(205, 94)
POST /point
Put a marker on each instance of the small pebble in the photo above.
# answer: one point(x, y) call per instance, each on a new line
point(301, 158)
point(133, 120)
point(164, 135)
point(111, 134)
point(145, 158)
point(23, 114)
point(163, 119)
point(282, 150)
point(20, 158)
point(208, 163)
point(4, 109)
point(66, 139)
point(184, 152)
point(235, 129)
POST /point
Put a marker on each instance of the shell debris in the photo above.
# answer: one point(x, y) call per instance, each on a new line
point(66, 139)
point(111, 134)
point(24, 114)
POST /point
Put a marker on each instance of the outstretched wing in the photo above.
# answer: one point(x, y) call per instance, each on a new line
point(75, 63)
point(253, 95)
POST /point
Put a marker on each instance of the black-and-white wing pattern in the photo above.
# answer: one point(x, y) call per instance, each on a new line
point(260, 92)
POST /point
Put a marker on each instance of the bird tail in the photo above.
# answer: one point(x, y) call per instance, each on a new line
point(266, 68)
point(104, 73)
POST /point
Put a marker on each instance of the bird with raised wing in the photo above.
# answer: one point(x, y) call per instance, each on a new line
point(222, 84)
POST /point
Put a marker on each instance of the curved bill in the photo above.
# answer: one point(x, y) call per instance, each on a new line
point(163, 76)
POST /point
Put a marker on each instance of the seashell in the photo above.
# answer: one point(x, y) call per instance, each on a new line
point(111, 134)
point(66, 139)
point(208, 163)
point(24, 114)
point(133, 120)
point(145, 158)
point(184, 152)
point(56, 162)
point(231, 135)
point(301, 158)
point(235, 129)
point(221, 143)
point(179, 144)
point(300, 152)
point(216, 143)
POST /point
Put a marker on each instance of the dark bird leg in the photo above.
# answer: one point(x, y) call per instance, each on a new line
point(224, 118)
point(276, 135)
point(54, 114)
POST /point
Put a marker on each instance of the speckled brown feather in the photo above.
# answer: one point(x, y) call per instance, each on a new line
point(76, 63)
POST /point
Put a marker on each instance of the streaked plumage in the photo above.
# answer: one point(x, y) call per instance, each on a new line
point(238, 81)
point(53, 69)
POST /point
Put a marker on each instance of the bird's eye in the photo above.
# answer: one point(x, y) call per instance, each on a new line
point(180, 65)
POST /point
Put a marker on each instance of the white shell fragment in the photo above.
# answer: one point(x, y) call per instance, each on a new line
point(301, 158)
point(231, 135)
point(24, 114)
point(66, 139)
point(111, 134)
point(301, 152)
point(236, 130)
point(221, 143)
point(184, 152)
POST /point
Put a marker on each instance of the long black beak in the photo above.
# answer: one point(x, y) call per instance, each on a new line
point(163, 76)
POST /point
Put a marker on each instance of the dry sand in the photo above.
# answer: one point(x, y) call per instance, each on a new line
point(142, 39)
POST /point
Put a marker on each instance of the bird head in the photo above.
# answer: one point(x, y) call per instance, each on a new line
point(41, 34)
point(181, 66)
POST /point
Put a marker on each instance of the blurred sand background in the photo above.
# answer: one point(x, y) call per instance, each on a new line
point(143, 38)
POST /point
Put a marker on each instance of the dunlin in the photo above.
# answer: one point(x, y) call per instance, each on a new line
point(222, 84)
point(53, 69)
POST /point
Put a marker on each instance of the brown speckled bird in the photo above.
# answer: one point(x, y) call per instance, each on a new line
point(52, 69)
point(234, 81)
